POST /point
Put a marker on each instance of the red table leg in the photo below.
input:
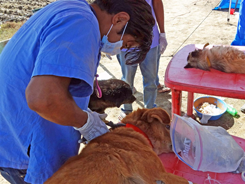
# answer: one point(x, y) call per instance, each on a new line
point(190, 104)
point(176, 102)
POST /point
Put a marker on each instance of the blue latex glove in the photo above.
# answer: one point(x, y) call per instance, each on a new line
point(162, 42)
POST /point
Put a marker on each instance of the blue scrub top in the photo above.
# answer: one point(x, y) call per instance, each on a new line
point(62, 39)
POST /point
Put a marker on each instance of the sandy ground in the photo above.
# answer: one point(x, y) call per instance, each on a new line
point(186, 22)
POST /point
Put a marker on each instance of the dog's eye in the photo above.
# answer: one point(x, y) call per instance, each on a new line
point(167, 127)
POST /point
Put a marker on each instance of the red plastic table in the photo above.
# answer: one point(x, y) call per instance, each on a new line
point(193, 80)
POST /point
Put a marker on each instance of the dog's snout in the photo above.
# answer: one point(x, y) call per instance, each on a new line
point(188, 66)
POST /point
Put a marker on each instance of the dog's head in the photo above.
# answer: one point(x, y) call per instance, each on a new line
point(194, 59)
point(115, 92)
point(198, 59)
point(155, 123)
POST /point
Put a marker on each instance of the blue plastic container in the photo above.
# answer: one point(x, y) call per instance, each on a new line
point(211, 100)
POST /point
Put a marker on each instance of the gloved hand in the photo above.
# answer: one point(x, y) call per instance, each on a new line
point(94, 126)
point(162, 42)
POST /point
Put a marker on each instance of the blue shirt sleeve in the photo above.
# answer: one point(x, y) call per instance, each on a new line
point(69, 47)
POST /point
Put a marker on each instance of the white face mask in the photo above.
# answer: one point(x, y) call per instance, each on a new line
point(111, 49)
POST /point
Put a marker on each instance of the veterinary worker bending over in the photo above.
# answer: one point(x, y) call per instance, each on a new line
point(149, 67)
point(46, 75)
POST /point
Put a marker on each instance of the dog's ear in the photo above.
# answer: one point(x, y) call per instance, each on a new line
point(156, 114)
point(205, 45)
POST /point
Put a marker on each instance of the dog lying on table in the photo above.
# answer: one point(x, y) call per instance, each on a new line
point(115, 92)
point(222, 58)
point(125, 155)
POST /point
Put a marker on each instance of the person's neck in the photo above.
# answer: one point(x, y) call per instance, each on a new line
point(103, 18)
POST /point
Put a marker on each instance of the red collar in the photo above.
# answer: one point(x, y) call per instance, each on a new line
point(128, 125)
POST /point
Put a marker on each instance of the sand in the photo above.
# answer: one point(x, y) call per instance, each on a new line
point(186, 22)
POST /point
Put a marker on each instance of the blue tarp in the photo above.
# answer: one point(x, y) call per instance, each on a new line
point(226, 3)
point(240, 34)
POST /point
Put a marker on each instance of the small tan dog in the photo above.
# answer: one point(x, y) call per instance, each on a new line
point(124, 155)
point(223, 58)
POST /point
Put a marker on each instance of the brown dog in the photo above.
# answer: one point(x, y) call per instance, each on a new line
point(123, 155)
point(115, 92)
point(223, 58)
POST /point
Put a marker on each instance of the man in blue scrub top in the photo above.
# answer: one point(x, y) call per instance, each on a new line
point(46, 75)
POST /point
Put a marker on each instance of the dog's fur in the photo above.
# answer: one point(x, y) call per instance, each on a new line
point(115, 92)
point(123, 156)
point(223, 58)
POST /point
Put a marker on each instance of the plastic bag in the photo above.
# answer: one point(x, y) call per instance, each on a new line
point(205, 148)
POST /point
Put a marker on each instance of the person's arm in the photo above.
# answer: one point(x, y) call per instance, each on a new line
point(50, 98)
point(159, 12)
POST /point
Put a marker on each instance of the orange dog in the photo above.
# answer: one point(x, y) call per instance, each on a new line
point(123, 155)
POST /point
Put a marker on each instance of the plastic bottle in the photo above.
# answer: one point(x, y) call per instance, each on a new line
point(231, 110)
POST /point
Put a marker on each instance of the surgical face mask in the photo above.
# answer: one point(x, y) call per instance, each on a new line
point(111, 49)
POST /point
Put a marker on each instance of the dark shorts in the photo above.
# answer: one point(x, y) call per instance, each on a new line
point(13, 176)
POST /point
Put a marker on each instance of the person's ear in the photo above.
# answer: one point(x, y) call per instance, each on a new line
point(120, 19)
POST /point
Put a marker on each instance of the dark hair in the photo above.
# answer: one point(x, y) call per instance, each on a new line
point(140, 24)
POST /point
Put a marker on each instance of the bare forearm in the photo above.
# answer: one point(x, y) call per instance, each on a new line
point(159, 12)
